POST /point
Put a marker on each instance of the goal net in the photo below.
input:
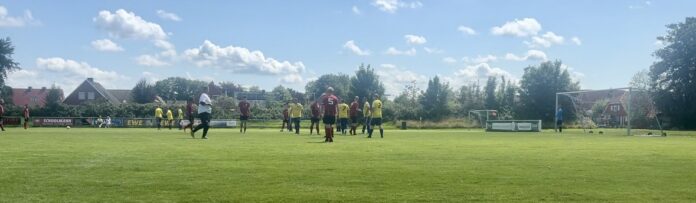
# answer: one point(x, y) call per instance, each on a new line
point(620, 111)
point(480, 117)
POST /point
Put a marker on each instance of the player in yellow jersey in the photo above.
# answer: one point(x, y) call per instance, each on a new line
point(179, 117)
point(296, 114)
point(367, 115)
point(376, 117)
point(158, 117)
point(170, 118)
point(343, 117)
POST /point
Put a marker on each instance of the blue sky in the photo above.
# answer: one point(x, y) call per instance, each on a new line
point(268, 43)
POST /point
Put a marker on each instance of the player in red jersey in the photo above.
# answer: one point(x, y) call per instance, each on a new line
point(245, 111)
point(316, 116)
point(330, 103)
point(353, 113)
point(286, 119)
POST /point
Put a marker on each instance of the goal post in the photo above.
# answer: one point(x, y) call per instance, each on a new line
point(611, 108)
point(483, 116)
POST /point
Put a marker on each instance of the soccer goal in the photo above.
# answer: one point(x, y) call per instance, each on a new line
point(480, 117)
point(600, 111)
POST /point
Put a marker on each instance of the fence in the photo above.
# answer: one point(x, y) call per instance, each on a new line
point(115, 122)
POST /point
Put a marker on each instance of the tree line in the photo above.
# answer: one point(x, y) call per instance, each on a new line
point(670, 82)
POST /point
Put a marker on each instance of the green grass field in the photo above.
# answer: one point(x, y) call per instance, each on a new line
point(143, 165)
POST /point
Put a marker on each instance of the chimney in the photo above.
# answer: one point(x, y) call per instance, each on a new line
point(29, 89)
point(90, 79)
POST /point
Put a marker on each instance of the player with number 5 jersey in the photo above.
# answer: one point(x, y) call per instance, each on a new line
point(330, 103)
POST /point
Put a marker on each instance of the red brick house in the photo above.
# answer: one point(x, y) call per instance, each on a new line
point(31, 96)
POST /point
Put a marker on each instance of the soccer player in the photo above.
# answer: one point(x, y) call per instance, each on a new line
point(189, 113)
point(100, 122)
point(170, 118)
point(179, 117)
point(204, 112)
point(559, 119)
point(354, 108)
point(330, 103)
point(158, 117)
point(343, 117)
point(286, 118)
point(316, 115)
point(26, 116)
point(296, 114)
point(2, 113)
point(108, 122)
point(245, 112)
point(376, 117)
point(367, 115)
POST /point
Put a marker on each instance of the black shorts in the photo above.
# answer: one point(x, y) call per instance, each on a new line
point(314, 120)
point(243, 118)
point(329, 120)
point(354, 119)
point(559, 122)
point(376, 121)
point(286, 121)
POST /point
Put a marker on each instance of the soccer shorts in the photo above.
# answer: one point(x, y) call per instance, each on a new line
point(376, 121)
point(243, 118)
point(314, 120)
point(329, 120)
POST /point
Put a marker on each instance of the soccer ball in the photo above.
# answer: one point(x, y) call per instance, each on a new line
point(67, 127)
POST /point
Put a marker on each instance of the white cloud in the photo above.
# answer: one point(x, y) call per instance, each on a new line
point(466, 30)
point(350, 45)
point(292, 79)
point(168, 16)
point(480, 59)
point(391, 6)
point(574, 75)
point(395, 52)
point(640, 6)
point(660, 43)
point(531, 55)
point(576, 40)
point(148, 60)
point(151, 77)
point(71, 72)
point(433, 50)
point(124, 24)
point(449, 60)
point(16, 21)
point(240, 59)
point(475, 73)
point(520, 28)
point(106, 45)
point(415, 39)
point(546, 40)
point(395, 78)
point(356, 10)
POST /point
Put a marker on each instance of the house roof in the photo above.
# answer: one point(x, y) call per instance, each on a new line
point(112, 96)
point(23, 96)
point(121, 95)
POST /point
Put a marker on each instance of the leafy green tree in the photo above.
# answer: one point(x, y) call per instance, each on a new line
point(434, 100)
point(178, 88)
point(7, 64)
point(365, 83)
point(538, 89)
point(469, 98)
point(674, 74)
point(491, 101)
point(143, 92)
point(340, 83)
